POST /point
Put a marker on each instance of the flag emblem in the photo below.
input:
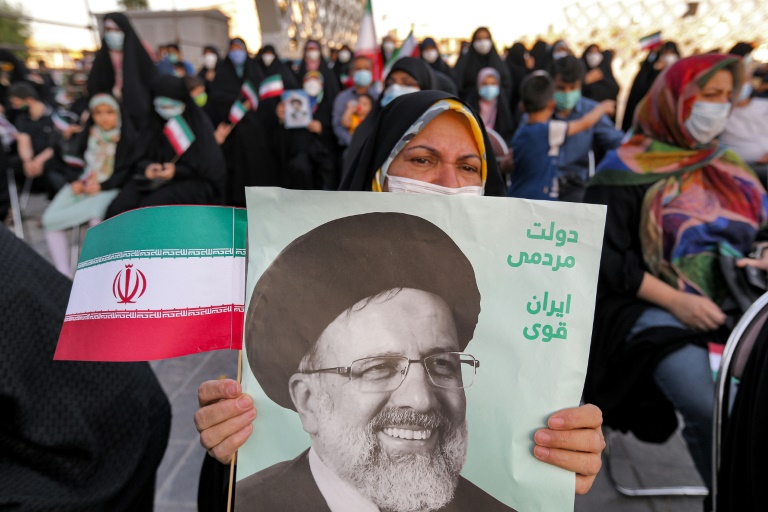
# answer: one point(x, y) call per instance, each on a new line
point(127, 289)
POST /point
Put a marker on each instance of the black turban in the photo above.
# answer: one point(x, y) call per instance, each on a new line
point(326, 271)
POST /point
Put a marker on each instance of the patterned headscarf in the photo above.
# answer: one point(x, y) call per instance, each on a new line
point(703, 200)
point(435, 110)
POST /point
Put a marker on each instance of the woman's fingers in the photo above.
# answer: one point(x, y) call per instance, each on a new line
point(214, 390)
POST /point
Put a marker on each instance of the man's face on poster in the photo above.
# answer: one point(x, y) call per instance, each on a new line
point(402, 448)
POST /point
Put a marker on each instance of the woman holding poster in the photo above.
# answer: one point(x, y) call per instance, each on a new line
point(678, 204)
point(424, 142)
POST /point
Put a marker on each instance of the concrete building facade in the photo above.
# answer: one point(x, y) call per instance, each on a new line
point(288, 24)
point(191, 30)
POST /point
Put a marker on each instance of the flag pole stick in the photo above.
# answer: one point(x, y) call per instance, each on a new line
point(234, 457)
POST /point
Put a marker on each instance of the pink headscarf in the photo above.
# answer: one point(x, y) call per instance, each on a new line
point(487, 107)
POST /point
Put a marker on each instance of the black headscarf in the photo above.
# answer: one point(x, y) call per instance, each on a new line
point(518, 70)
point(267, 108)
point(439, 65)
point(98, 439)
point(643, 81)
point(226, 86)
point(341, 69)
point(605, 89)
point(203, 160)
point(16, 71)
point(470, 64)
point(138, 72)
point(388, 126)
point(540, 54)
point(331, 86)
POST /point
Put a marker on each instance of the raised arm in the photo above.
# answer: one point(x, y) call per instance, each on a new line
point(591, 118)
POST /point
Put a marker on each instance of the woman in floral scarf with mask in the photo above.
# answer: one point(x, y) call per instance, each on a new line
point(103, 151)
point(676, 200)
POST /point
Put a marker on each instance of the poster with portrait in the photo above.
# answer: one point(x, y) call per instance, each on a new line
point(402, 349)
point(298, 113)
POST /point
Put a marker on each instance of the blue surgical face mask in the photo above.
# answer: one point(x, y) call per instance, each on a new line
point(489, 92)
point(238, 57)
point(707, 120)
point(362, 77)
point(114, 39)
point(168, 107)
point(746, 92)
point(395, 91)
point(565, 101)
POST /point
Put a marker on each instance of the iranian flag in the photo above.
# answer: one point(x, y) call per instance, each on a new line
point(271, 87)
point(74, 161)
point(409, 48)
point(651, 41)
point(156, 283)
point(237, 112)
point(179, 134)
point(367, 44)
point(59, 122)
point(249, 93)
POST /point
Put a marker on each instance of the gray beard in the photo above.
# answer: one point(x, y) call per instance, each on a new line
point(395, 482)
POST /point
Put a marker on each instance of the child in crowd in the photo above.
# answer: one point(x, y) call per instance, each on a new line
point(37, 139)
point(536, 145)
point(356, 112)
point(104, 169)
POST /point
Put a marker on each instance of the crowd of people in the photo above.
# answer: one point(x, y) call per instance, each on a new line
point(684, 179)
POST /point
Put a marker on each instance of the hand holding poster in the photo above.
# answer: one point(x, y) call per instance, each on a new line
point(298, 113)
point(391, 349)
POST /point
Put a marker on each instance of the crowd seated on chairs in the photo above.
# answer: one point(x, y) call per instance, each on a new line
point(686, 214)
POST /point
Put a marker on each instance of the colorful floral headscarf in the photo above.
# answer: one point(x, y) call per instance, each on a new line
point(703, 200)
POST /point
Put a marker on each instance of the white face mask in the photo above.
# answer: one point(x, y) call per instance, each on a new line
point(388, 46)
point(344, 56)
point(669, 58)
point(707, 120)
point(313, 55)
point(483, 46)
point(400, 185)
point(395, 91)
point(209, 60)
point(559, 54)
point(268, 59)
point(594, 59)
point(313, 87)
point(430, 55)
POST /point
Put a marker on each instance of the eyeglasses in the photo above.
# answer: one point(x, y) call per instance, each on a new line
point(379, 374)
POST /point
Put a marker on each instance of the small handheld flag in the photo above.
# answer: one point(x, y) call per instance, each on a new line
point(249, 93)
point(651, 41)
point(237, 112)
point(74, 161)
point(155, 283)
point(271, 87)
point(179, 134)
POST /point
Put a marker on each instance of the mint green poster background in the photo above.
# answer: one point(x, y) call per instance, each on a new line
point(520, 381)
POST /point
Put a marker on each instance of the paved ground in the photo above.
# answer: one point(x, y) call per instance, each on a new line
point(634, 464)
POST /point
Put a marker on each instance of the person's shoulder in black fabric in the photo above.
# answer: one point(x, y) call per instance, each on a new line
point(97, 442)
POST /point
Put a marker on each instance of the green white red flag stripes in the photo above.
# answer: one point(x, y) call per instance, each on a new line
point(249, 93)
point(271, 87)
point(367, 44)
point(179, 134)
point(237, 112)
point(156, 283)
point(651, 41)
point(407, 49)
